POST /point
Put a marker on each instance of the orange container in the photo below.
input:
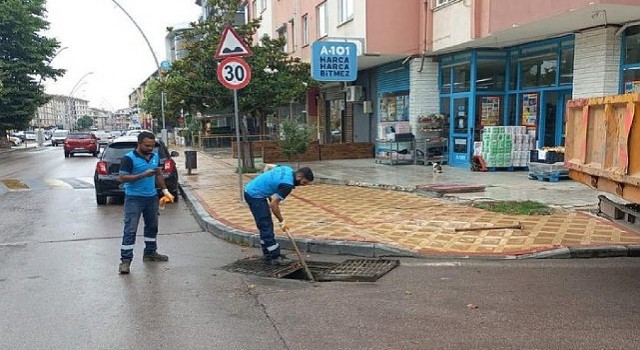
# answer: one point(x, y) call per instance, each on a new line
point(602, 144)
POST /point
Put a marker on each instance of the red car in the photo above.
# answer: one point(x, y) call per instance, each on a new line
point(80, 142)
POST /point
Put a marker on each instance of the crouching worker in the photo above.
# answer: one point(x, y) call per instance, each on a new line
point(264, 194)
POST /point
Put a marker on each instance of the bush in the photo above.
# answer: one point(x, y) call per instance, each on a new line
point(294, 139)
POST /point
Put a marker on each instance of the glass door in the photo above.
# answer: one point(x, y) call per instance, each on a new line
point(553, 124)
point(461, 132)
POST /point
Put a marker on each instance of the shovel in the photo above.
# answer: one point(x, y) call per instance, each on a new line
point(300, 258)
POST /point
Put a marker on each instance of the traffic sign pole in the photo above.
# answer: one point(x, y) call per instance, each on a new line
point(235, 106)
point(234, 73)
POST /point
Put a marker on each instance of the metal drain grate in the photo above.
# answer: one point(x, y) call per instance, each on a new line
point(260, 267)
point(358, 270)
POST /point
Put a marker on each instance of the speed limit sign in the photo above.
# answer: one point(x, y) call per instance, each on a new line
point(234, 73)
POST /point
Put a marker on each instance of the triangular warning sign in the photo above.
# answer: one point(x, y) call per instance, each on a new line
point(232, 45)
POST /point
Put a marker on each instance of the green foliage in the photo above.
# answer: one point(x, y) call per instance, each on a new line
point(84, 123)
point(191, 82)
point(25, 55)
point(294, 138)
point(516, 208)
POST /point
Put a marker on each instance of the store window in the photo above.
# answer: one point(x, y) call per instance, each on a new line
point(632, 45)
point(539, 71)
point(321, 11)
point(394, 106)
point(490, 75)
point(445, 76)
point(462, 77)
point(631, 60)
point(513, 72)
point(566, 66)
point(335, 121)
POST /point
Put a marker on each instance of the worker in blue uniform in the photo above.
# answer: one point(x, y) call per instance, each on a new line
point(264, 194)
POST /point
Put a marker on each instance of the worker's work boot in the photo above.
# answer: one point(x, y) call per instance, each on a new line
point(154, 257)
point(124, 267)
point(281, 260)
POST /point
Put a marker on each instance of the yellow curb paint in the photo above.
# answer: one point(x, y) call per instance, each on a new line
point(15, 185)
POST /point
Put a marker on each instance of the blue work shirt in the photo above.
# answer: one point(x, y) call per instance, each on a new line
point(134, 163)
point(278, 181)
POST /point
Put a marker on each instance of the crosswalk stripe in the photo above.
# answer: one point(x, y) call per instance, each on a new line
point(57, 184)
point(22, 184)
point(15, 185)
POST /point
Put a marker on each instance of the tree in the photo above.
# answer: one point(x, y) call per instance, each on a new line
point(84, 123)
point(294, 139)
point(25, 55)
point(191, 82)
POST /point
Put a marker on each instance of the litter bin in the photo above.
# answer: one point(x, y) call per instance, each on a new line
point(191, 160)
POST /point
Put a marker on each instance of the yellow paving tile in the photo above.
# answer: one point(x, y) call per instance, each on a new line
point(399, 219)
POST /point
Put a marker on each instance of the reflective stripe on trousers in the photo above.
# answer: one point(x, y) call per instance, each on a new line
point(262, 215)
point(134, 207)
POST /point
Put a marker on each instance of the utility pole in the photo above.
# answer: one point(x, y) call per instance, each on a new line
point(155, 58)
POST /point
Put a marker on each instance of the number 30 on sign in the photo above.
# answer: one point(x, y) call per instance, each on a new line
point(234, 73)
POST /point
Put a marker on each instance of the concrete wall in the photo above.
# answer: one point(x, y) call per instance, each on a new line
point(451, 25)
point(423, 96)
point(596, 63)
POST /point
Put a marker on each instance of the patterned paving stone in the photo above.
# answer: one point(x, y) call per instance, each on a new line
point(400, 219)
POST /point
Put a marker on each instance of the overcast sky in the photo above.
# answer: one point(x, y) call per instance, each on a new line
point(101, 39)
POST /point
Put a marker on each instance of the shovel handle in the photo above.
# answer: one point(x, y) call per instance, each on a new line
point(300, 258)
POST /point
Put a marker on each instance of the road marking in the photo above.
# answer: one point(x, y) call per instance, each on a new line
point(57, 184)
point(15, 185)
point(78, 182)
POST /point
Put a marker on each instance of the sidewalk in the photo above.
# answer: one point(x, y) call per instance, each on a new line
point(349, 210)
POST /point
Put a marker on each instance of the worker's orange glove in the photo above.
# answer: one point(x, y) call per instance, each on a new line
point(169, 197)
point(284, 226)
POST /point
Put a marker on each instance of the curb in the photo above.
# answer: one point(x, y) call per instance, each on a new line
point(306, 245)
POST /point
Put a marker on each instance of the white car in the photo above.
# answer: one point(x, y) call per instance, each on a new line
point(58, 137)
point(136, 132)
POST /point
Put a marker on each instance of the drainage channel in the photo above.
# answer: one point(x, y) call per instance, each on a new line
point(351, 270)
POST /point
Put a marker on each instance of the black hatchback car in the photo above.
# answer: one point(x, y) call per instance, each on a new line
point(105, 178)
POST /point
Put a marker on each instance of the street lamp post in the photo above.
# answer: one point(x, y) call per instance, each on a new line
point(39, 136)
point(155, 58)
point(73, 90)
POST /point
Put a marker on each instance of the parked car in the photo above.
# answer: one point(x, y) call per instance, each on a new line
point(105, 178)
point(20, 135)
point(15, 141)
point(80, 142)
point(30, 135)
point(58, 137)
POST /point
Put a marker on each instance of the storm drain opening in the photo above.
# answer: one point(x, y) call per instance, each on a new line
point(351, 270)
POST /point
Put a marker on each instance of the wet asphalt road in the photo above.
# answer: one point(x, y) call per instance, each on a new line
point(59, 288)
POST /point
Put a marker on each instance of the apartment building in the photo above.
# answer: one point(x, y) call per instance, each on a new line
point(477, 62)
point(61, 111)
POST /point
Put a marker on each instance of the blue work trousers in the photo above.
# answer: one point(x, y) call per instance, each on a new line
point(262, 214)
point(134, 206)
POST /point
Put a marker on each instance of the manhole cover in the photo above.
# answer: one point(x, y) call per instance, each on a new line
point(358, 270)
point(260, 267)
point(353, 270)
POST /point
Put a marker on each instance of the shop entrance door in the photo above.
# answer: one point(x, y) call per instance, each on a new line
point(552, 129)
point(461, 133)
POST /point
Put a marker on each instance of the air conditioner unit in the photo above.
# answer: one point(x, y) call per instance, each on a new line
point(354, 93)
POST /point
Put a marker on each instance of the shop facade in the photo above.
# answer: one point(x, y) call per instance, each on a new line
point(524, 85)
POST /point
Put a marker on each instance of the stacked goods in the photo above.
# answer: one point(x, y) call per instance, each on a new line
point(505, 146)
